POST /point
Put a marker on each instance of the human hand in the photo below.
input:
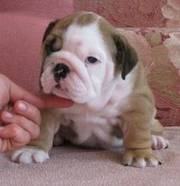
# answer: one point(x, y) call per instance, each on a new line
point(22, 124)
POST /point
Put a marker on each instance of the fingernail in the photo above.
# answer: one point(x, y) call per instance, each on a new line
point(7, 115)
point(22, 107)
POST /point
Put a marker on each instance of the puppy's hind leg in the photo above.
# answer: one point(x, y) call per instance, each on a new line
point(158, 141)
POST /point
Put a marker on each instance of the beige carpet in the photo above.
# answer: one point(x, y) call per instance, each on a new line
point(73, 166)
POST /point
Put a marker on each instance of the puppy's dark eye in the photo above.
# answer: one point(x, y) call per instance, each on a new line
point(91, 59)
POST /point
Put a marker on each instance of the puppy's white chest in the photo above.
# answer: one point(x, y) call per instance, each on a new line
point(94, 128)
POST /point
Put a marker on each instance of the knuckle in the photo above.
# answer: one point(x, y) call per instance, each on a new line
point(17, 102)
point(20, 120)
point(32, 113)
point(15, 129)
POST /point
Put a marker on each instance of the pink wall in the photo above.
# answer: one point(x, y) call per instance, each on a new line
point(38, 8)
point(22, 24)
point(136, 13)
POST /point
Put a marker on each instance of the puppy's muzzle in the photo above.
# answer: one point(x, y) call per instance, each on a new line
point(60, 71)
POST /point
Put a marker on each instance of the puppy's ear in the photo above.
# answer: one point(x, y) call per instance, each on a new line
point(125, 56)
point(51, 42)
point(49, 29)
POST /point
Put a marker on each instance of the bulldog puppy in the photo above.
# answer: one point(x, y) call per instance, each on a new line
point(87, 60)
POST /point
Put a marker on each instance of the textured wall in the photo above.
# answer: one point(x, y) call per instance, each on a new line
point(22, 24)
point(37, 8)
point(137, 13)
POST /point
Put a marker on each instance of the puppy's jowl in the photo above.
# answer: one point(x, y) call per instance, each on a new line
point(87, 60)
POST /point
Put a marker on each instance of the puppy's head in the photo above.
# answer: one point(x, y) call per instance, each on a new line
point(82, 55)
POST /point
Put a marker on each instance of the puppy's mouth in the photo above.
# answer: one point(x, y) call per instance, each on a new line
point(58, 86)
point(67, 79)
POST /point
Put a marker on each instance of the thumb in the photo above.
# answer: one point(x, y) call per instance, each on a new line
point(4, 92)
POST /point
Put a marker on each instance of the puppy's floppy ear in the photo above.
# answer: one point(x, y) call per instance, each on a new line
point(49, 29)
point(51, 42)
point(125, 56)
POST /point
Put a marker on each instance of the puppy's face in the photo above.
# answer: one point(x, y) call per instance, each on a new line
point(82, 55)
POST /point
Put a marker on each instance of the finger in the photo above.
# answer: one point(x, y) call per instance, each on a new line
point(19, 93)
point(4, 91)
point(32, 128)
point(55, 102)
point(28, 110)
point(14, 132)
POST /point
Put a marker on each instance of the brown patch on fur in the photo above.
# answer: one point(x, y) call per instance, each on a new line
point(53, 37)
point(86, 18)
point(156, 128)
point(123, 54)
point(126, 57)
point(107, 29)
point(49, 28)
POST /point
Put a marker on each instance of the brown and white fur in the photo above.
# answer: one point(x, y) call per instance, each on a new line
point(113, 104)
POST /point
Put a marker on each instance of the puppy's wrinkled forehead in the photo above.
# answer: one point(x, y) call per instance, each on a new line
point(85, 38)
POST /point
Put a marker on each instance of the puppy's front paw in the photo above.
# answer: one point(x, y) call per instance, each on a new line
point(140, 158)
point(29, 155)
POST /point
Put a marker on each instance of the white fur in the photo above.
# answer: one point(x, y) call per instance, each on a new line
point(158, 142)
point(141, 163)
point(29, 155)
point(153, 162)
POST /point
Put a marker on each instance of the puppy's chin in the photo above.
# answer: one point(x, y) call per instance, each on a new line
point(75, 98)
point(72, 87)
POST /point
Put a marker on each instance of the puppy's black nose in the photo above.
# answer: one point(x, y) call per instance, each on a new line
point(60, 71)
